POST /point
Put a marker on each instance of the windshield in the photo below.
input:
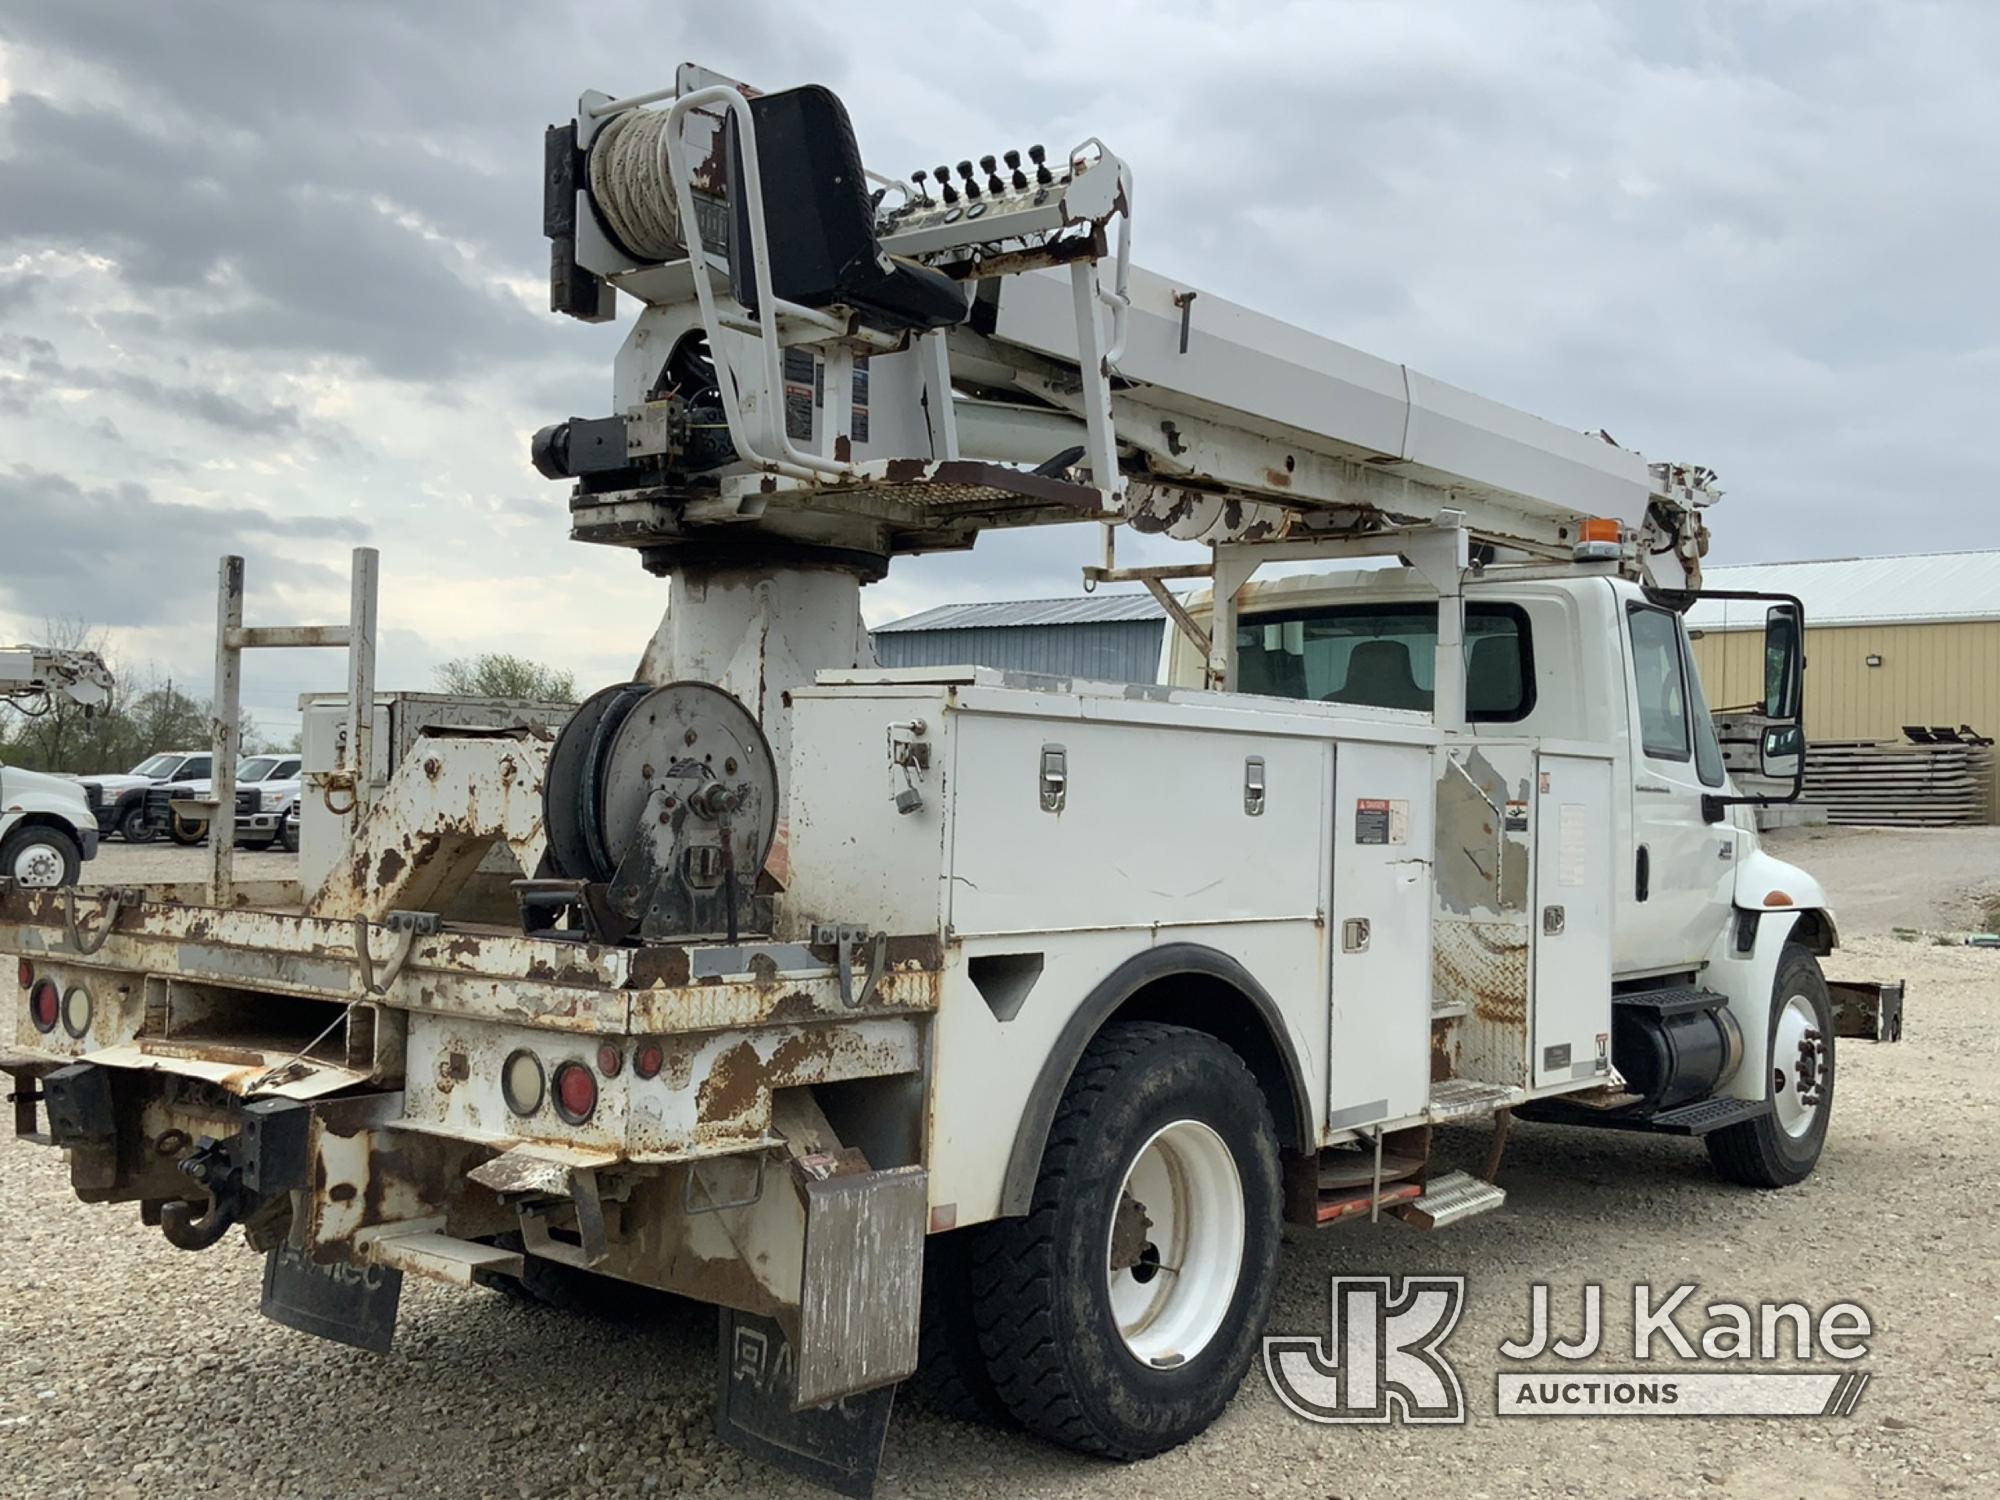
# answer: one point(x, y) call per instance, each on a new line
point(157, 765)
point(257, 768)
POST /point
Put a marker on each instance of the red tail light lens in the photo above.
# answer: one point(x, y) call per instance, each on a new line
point(576, 1092)
point(610, 1059)
point(648, 1060)
point(44, 1005)
point(27, 972)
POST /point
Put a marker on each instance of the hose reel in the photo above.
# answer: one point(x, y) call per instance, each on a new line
point(662, 803)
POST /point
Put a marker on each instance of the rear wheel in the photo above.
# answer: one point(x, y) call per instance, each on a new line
point(40, 858)
point(1119, 1317)
point(951, 1376)
point(1782, 1148)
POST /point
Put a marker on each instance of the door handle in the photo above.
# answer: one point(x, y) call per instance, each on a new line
point(1642, 874)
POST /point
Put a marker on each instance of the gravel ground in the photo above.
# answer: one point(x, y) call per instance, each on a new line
point(120, 863)
point(133, 1368)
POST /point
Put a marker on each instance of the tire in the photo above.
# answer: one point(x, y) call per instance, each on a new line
point(288, 834)
point(185, 831)
point(132, 824)
point(951, 1378)
point(1126, 1362)
point(1784, 1146)
point(40, 857)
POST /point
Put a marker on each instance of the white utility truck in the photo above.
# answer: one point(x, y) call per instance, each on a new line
point(1002, 1018)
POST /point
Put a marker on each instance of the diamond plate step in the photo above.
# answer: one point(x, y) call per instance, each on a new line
point(1454, 1196)
point(1698, 1118)
point(1709, 1114)
point(1675, 1000)
point(1452, 1098)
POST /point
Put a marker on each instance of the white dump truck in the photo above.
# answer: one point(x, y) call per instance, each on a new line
point(943, 1012)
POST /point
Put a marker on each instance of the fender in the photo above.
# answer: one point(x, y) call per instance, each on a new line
point(1748, 979)
point(1765, 883)
point(25, 795)
point(1103, 1003)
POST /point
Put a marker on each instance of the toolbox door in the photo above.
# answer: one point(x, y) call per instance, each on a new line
point(1571, 931)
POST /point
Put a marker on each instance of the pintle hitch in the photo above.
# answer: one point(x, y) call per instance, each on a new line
point(248, 1178)
point(213, 1167)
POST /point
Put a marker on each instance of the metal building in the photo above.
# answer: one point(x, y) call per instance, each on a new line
point(1107, 637)
point(1890, 641)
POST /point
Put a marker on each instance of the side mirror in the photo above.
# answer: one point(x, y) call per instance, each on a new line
point(1784, 663)
point(1781, 740)
point(1782, 753)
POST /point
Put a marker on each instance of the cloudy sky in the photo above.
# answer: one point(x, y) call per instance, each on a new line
point(272, 278)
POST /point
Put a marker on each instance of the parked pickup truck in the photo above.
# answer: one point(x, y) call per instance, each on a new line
point(46, 829)
point(118, 802)
point(261, 819)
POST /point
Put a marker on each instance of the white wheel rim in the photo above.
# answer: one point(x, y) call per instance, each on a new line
point(1170, 1303)
point(1799, 1066)
point(38, 865)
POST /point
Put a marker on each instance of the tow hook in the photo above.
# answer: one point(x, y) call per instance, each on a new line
point(212, 1166)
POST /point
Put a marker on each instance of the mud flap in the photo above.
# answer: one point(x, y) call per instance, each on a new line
point(349, 1304)
point(837, 1446)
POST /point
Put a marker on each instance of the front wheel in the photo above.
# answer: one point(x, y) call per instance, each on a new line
point(185, 831)
point(40, 858)
point(1120, 1315)
point(288, 834)
point(1782, 1147)
point(132, 825)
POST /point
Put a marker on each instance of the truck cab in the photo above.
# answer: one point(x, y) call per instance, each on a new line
point(1590, 658)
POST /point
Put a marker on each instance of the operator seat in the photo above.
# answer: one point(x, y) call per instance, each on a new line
point(821, 221)
point(1378, 674)
point(1493, 677)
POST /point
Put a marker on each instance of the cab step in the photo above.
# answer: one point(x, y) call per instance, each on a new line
point(1697, 1119)
point(1671, 1000)
point(1706, 1115)
point(1449, 1198)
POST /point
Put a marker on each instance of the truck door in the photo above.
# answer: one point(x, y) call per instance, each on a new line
point(1681, 865)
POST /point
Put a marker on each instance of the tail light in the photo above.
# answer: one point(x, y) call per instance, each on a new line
point(610, 1058)
point(522, 1083)
point(27, 972)
point(648, 1060)
point(76, 1011)
point(576, 1092)
point(44, 1005)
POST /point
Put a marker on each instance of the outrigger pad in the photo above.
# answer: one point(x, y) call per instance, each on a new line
point(837, 1446)
point(349, 1304)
